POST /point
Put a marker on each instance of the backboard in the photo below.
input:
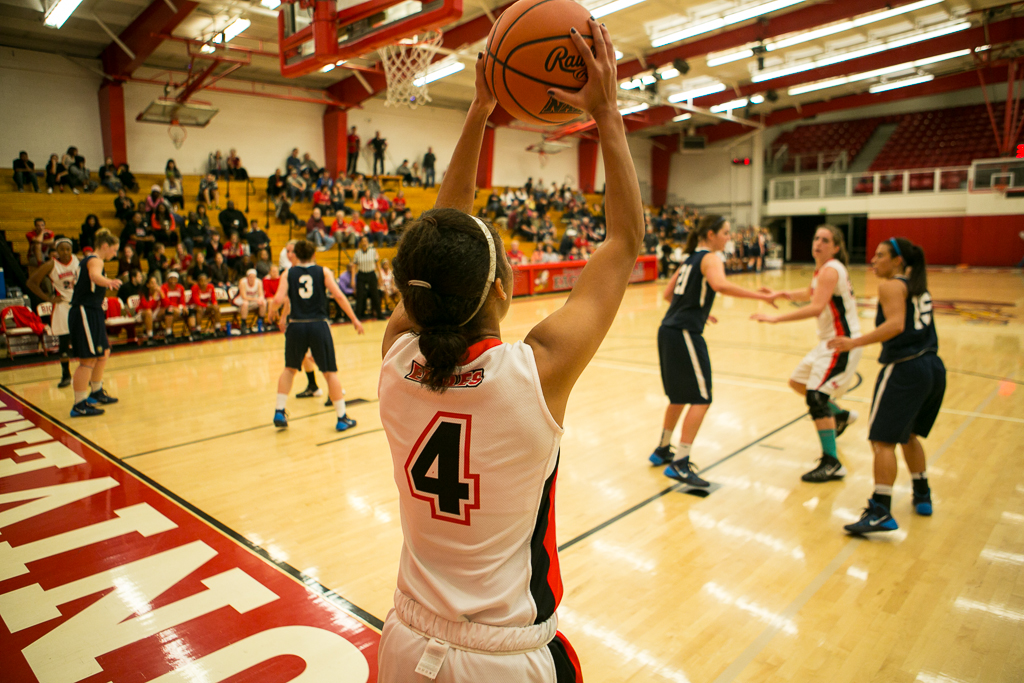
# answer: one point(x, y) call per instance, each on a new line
point(192, 114)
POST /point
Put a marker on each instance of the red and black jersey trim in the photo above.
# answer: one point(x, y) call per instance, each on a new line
point(567, 664)
point(842, 328)
point(546, 576)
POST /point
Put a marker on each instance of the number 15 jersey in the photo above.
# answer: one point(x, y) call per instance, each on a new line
point(475, 469)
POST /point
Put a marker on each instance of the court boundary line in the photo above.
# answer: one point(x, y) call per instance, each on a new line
point(675, 487)
point(351, 436)
point(314, 585)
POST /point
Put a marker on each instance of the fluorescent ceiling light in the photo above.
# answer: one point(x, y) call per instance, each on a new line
point(668, 73)
point(232, 30)
point(439, 73)
point(683, 117)
point(634, 109)
point(729, 106)
point(327, 68)
point(882, 87)
point(613, 6)
point(806, 36)
point(853, 78)
point(697, 92)
point(271, 4)
point(863, 52)
point(59, 12)
point(646, 79)
point(618, 55)
point(207, 48)
point(727, 20)
point(757, 99)
point(982, 48)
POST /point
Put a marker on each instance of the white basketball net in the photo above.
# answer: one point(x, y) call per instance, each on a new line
point(177, 133)
point(404, 63)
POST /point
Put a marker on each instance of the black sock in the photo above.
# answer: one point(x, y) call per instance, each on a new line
point(921, 487)
point(882, 499)
point(65, 369)
point(311, 378)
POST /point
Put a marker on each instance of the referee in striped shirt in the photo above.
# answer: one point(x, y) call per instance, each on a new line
point(367, 262)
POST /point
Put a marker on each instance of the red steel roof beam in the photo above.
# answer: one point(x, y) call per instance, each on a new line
point(142, 36)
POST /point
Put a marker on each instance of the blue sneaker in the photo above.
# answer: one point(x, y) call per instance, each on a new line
point(280, 419)
point(662, 456)
point(923, 505)
point(101, 396)
point(682, 470)
point(875, 518)
point(345, 422)
point(83, 409)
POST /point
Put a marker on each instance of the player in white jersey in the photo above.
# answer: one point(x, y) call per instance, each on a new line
point(824, 374)
point(474, 424)
point(62, 273)
point(250, 297)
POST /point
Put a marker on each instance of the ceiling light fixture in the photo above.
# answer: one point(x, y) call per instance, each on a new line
point(727, 20)
point(729, 106)
point(892, 85)
point(207, 48)
point(757, 99)
point(327, 68)
point(863, 52)
point(271, 4)
point(634, 109)
point(807, 36)
point(896, 68)
point(697, 92)
point(60, 12)
point(683, 117)
point(232, 30)
point(613, 6)
point(439, 73)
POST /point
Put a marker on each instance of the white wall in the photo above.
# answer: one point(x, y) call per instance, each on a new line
point(47, 104)
point(708, 180)
point(513, 164)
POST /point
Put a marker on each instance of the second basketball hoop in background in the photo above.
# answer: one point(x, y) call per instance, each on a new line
point(528, 51)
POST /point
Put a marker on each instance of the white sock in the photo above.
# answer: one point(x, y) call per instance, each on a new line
point(81, 396)
point(150, 334)
point(282, 399)
point(96, 386)
point(339, 407)
point(919, 475)
point(683, 450)
point(217, 327)
point(883, 490)
point(666, 438)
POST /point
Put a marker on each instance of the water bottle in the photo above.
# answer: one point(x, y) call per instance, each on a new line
point(229, 329)
point(259, 324)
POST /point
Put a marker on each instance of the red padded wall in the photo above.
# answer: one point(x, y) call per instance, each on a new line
point(940, 237)
point(993, 240)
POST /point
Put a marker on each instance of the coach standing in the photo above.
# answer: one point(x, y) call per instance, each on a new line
point(428, 167)
point(367, 262)
point(353, 151)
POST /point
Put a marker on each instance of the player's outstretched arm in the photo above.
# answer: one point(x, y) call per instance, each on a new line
point(339, 296)
point(459, 184)
point(827, 279)
point(566, 340)
point(713, 271)
point(892, 297)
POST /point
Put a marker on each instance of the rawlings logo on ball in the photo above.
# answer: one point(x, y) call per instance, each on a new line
point(553, 106)
point(561, 59)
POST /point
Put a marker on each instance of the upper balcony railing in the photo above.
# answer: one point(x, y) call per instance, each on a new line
point(981, 176)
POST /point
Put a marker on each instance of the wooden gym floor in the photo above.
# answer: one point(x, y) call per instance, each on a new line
point(755, 582)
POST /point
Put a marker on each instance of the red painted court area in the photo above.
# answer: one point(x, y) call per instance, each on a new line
point(103, 577)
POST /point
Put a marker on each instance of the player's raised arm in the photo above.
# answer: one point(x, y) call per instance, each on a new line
point(827, 280)
point(458, 186)
point(565, 342)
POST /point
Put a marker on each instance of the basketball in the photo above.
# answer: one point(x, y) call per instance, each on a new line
point(528, 51)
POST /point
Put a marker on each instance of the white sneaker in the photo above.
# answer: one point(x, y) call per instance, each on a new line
point(49, 190)
point(75, 190)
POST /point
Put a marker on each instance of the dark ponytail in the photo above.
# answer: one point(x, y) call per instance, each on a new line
point(913, 259)
point(446, 249)
point(710, 223)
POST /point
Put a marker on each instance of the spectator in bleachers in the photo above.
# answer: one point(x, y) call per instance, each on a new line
point(309, 169)
point(208, 192)
point(352, 145)
point(133, 286)
point(235, 168)
point(373, 186)
point(108, 175)
point(271, 282)
point(428, 167)
point(405, 172)
point(256, 238)
point(80, 177)
point(173, 300)
point(399, 204)
point(199, 265)
point(235, 251)
point(140, 236)
point(162, 217)
point(358, 186)
point(167, 233)
point(56, 175)
point(171, 169)
point(220, 274)
point(293, 161)
point(275, 184)
point(214, 246)
point(194, 234)
point(297, 187)
point(263, 263)
point(347, 183)
point(367, 205)
point(203, 306)
point(317, 232)
point(232, 220)
point(346, 281)
point(174, 192)
point(283, 209)
point(128, 261)
point(127, 178)
point(25, 172)
point(284, 261)
point(40, 241)
point(338, 198)
point(389, 292)
point(416, 177)
point(359, 227)
point(379, 233)
point(322, 200)
point(383, 205)
point(379, 145)
point(650, 240)
point(216, 166)
point(182, 259)
point(88, 233)
point(250, 298)
point(341, 230)
point(154, 199)
point(150, 310)
point(323, 181)
point(515, 256)
point(69, 156)
point(551, 255)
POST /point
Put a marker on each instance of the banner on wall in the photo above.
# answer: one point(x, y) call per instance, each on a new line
point(542, 278)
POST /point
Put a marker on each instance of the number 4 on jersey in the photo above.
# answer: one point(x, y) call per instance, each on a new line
point(438, 469)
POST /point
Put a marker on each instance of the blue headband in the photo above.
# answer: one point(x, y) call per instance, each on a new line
point(892, 241)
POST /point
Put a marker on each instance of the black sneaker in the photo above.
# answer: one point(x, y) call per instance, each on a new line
point(875, 518)
point(923, 503)
point(345, 422)
point(828, 469)
point(684, 471)
point(309, 392)
point(64, 382)
point(662, 455)
point(328, 403)
point(101, 396)
point(83, 409)
point(845, 418)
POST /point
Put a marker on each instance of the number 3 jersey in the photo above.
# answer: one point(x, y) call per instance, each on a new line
point(307, 292)
point(475, 469)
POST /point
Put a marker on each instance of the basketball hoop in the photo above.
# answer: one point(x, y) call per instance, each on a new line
point(405, 63)
point(546, 148)
point(177, 133)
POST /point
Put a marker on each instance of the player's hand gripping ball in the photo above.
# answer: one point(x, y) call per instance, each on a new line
point(528, 51)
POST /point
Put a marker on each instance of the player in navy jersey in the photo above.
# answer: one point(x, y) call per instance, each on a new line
point(910, 386)
point(88, 327)
point(305, 289)
point(685, 364)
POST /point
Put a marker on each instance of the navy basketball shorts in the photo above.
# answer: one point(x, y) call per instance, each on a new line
point(314, 336)
point(685, 366)
point(88, 328)
point(907, 399)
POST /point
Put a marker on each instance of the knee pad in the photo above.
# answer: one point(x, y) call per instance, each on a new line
point(817, 402)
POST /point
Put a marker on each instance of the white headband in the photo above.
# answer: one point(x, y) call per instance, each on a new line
point(490, 271)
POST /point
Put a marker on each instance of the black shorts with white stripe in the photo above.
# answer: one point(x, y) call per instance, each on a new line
point(685, 366)
point(88, 329)
point(907, 398)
